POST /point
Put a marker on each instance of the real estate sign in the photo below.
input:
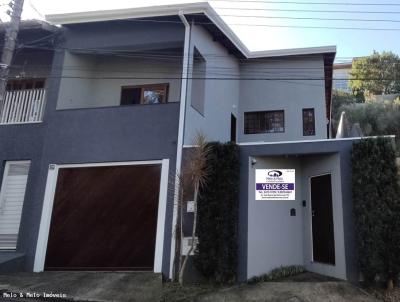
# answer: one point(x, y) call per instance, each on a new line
point(275, 184)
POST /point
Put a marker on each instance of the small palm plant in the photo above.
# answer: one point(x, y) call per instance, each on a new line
point(194, 174)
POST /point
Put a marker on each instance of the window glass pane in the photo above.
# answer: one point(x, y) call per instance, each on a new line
point(130, 96)
point(308, 122)
point(153, 96)
point(264, 122)
point(146, 94)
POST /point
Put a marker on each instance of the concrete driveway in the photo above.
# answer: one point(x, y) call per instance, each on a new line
point(82, 286)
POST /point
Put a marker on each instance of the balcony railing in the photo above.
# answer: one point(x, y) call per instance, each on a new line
point(22, 106)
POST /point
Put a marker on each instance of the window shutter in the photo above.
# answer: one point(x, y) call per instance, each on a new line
point(11, 201)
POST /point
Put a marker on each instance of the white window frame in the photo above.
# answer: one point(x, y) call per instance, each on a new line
point(2, 189)
point(51, 183)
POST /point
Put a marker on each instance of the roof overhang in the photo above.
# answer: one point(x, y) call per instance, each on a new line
point(32, 25)
point(194, 9)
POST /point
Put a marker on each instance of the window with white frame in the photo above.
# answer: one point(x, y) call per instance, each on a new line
point(12, 195)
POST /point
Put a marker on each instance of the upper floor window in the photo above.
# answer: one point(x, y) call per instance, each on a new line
point(198, 82)
point(22, 84)
point(144, 94)
point(264, 122)
point(308, 122)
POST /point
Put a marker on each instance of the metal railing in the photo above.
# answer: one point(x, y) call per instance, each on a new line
point(22, 106)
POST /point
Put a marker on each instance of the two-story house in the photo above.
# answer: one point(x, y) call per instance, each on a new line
point(97, 116)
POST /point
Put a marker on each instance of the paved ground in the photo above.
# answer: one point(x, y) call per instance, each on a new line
point(289, 292)
point(92, 286)
point(83, 286)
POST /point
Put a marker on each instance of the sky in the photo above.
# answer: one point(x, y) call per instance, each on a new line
point(276, 24)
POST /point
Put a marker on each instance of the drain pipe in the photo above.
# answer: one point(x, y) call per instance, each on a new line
point(181, 131)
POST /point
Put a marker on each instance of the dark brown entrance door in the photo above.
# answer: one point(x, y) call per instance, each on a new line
point(104, 218)
point(322, 219)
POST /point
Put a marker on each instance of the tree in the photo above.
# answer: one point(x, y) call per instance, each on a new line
point(340, 101)
point(375, 118)
point(376, 74)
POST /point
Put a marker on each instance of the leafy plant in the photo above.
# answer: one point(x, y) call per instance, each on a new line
point(376, 208)
point(377, 74)
point(375, 119)
point(195, 174)
point(216, 254)
point(278, 273)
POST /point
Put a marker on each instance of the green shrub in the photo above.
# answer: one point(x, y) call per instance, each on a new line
point(278, 273)
point(216, 254)
point(376, 208)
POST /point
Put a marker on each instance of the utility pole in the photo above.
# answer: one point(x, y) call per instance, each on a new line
point(10, 36)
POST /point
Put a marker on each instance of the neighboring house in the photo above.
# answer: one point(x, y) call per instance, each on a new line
point(100, 111)
point(341, 76)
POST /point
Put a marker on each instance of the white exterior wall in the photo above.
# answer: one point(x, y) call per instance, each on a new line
point(221, 96)
point(288, 95)
point(115, 73)
point(277, 239)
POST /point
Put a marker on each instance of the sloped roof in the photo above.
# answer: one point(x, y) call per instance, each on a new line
point(199, 11)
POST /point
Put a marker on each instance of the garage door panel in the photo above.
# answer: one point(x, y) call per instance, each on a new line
point(104, 218)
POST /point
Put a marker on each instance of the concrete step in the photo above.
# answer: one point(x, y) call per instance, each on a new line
point(84, 286)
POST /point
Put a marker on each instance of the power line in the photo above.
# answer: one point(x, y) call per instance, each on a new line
point(36, 10)
point(127, 53)
point(310, 10)
point(174, 57)
point(313, 18)
point(308, 2)
point(283, 26)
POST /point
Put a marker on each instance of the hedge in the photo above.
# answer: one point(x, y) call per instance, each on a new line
point(216, 254)
point(376, 208)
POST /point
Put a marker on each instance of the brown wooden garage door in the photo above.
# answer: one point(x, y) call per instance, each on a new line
point(104, 218)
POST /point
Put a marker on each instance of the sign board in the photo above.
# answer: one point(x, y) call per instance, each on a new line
point(275, 184)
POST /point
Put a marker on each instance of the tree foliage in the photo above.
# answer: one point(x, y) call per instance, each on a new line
point(376, 208)
point(216, 254)
point(377, 74)
point(376, 119)
point(340, 100)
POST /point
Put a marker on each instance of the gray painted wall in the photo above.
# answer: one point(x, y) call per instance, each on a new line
point(314, 166)
point(318, 148)
point(111, 134)
point(141, 132)
point(277, 239)
point(221, 96)
point(274, 237)
point(96, 80)
point(125, 35)
point(285, 94)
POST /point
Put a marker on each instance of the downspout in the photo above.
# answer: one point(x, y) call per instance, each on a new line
point(181, 131)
